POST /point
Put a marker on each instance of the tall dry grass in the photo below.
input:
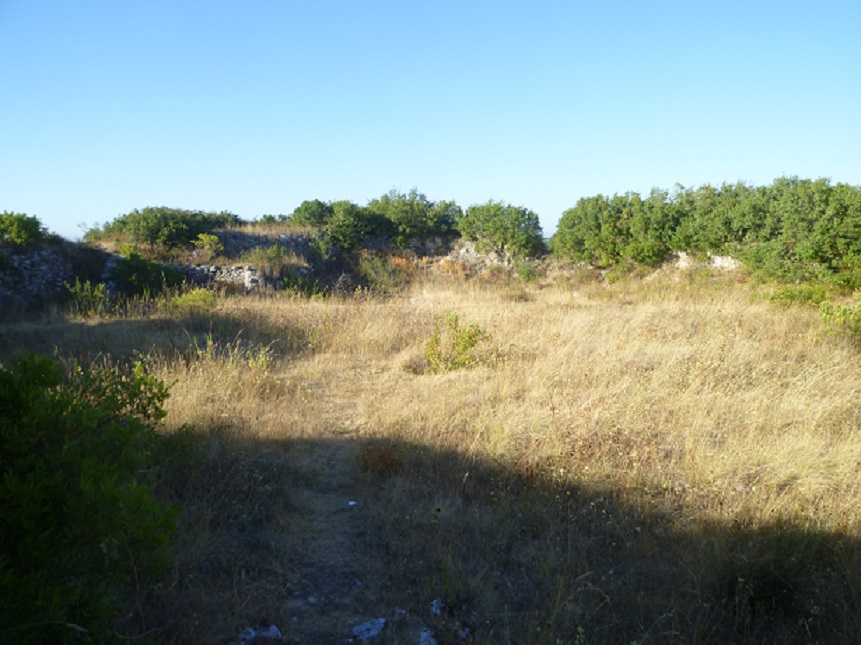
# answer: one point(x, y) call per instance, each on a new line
point(662, 460)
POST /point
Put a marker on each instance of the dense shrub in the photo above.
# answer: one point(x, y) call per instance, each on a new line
point(311, 213)
point(195, 301)
point(165, 227)
point(793, 230)
point(842, 320)
point(78, 529)
point(135, 276)
point(208, 246)
point(414, 216)
point(344, 230)
point(20, 230)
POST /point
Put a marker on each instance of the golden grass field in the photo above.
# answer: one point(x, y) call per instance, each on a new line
point(662, 459)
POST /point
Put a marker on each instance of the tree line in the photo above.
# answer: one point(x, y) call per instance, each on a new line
point(395, 217)
point(793, 229)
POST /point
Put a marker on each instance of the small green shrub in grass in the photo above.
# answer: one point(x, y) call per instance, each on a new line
point(88, 299)
point(80, 533)
point(452, 346)
point(802, 294)
point(196, 301)
point(840, 319)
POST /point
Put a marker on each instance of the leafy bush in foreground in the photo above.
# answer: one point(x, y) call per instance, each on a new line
point(838, 319)
point(78, 530)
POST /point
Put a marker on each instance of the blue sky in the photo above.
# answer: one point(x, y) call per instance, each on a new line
point(255, 106)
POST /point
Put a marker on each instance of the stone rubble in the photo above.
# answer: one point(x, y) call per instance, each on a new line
point(34, 276)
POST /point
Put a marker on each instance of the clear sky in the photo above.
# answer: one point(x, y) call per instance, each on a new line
point(255, 106)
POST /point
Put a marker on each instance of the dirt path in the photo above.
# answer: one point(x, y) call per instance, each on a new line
point(337, 583)
point(332, 590)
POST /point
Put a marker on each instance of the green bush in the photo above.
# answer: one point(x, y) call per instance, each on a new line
point(20, 230)
point(311, 213)
point(88, 299)
point(165, 227)
point(451, 346)
point(795, 230)
point(840, 319)
point(195, 301)
point(135, 276)
point(80, 533)
point(802, 294)
point(209, 246)
point(271, 260)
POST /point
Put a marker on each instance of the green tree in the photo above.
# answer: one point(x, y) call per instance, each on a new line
point(414, 216)
point(311, 213)
point(590, 232)
point(504, 228)
point(272, 219)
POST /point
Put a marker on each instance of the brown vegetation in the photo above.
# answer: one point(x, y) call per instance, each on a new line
point(662, 460)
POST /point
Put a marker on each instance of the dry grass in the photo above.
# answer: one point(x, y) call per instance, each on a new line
point(664, 460)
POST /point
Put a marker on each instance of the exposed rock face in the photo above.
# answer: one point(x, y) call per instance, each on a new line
point(33, 277)
point(204, 274)
point(238, 243)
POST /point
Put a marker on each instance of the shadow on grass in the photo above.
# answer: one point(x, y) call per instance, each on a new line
point(513, 557)
point(122, 338)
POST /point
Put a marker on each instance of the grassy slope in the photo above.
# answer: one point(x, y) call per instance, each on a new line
point(656, 460)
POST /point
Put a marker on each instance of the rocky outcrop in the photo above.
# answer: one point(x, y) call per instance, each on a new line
point(37, 276)
point(206, 274)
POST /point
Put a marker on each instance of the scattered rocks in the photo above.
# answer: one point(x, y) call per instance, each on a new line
point(243, 275)
point(682, 260)
point(369, 629)
point(436, 607)
point(251, 635)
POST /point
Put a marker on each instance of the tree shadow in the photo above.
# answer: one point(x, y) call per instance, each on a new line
point(124, 338)
point(476, 552)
